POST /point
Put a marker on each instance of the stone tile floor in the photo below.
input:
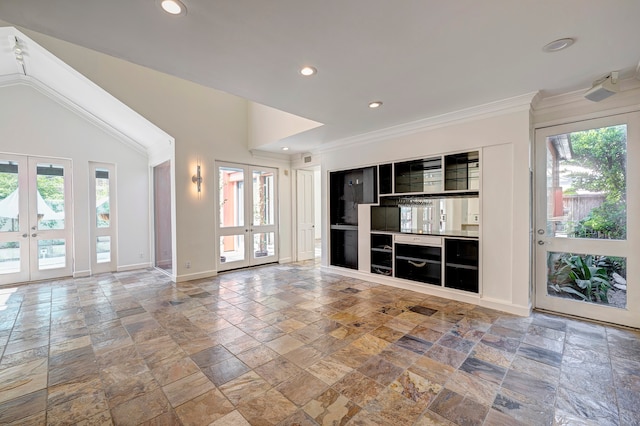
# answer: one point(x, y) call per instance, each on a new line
point(291, 345)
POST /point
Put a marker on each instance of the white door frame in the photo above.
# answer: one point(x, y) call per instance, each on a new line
point(629, 248)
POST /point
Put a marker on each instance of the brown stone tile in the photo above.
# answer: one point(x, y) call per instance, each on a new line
point(284, 344)
point(23, 407)
point(278, 370)
point(351, 356)
point(11, 360)
point(394, 409)
point(204, 409)
point(64, 392)
point(242, 344)
point(23, 379)
point(233, 418)
point(267, 409)
point(304, 356)
point(416, 388)
point(141, 409)
point(257, 356)
point(226, 370)
point(211, 356)
point(458, 409)
point(370, 344)
point(329, 370)
point(78, 409)
point(431, 369)
point(380, 370)
point(446, 356)
point(301, 388)
point(171, 369)
point(299, 418)
point(245, 387)
point(331, 408)
point(358, 388)
point(473, 387)
point(387, 333)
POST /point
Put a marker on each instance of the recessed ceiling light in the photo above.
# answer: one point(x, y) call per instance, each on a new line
point(307, 71)
point(557, 45)
point(173, 7)
point(285, 148)
point(375, 104)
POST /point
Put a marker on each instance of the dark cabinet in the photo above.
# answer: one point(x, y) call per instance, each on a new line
point(461, 171)
point(381, 254)
point(418, 176)
point(348, 189)
point(419, 263)
point(461, 264)
point(385, 173)
point(385, 218)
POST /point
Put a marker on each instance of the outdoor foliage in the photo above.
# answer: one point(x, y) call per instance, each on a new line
point(586, 278)
point(603, 152)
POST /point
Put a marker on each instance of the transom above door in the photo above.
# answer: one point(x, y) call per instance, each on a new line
point(247, 225)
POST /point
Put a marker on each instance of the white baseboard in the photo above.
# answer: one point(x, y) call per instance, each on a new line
point(132, 267)
point(195, 276)
point(457, 295)
point(501, 305)
point(285, 260)
point(81, 274)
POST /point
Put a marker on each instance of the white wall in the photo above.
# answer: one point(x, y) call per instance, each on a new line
point(32, 123)
point(207, 125)
point(504, 142)
point(268, 125)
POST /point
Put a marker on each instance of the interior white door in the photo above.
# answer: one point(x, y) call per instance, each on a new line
point(247, 225)
point(588, 219)
point(305, 215)
point(35, 218)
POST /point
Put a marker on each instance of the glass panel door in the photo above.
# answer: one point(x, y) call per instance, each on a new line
point(14, 220)
point(264, 216)
point(102, 203)
point(247, 216)
point(35, 218)
point(587, 213)
point(232, 217)
point(50, 213)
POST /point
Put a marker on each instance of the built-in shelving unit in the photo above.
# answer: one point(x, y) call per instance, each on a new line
point(424, 223)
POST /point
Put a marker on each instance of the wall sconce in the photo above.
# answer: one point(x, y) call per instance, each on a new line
point(197, 179)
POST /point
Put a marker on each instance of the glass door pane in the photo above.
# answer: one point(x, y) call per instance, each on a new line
point(231, 181)
point(14, 242)
point(50, 194)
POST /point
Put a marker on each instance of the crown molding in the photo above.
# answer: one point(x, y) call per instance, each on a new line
point(577, 96)
point(60, 99)
point(514, 104)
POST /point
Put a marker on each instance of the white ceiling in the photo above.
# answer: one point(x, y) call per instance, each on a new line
point(422, 58)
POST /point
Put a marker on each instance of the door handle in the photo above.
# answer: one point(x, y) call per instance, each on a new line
point(540, 242)
point(25, 235)
point(33, 228)
point(34, 235)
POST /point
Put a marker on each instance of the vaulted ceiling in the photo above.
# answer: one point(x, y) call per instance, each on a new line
point(421, 58)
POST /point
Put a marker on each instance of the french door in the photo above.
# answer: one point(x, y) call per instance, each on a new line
point(35, 218)
point(247, 225)
point(587, 231)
